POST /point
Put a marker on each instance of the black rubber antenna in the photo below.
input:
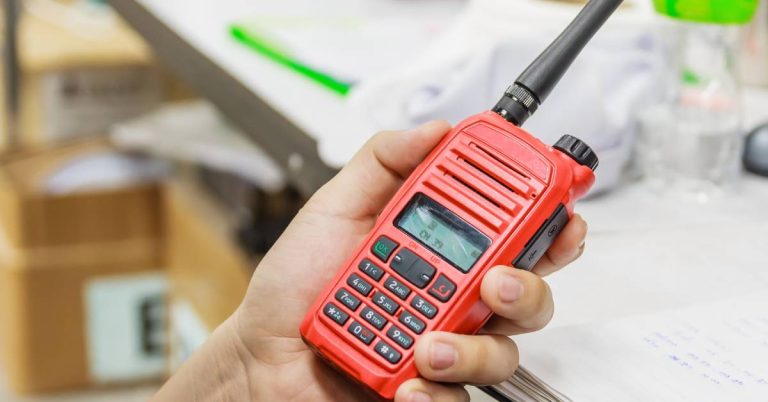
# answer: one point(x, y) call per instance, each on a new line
point(534, 85)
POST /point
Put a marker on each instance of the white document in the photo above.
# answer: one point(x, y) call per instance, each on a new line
point(351, 40)
point(195, 132)
point(125, 326)
point(711, 352)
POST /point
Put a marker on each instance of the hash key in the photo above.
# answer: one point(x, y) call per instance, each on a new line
point(387, 352)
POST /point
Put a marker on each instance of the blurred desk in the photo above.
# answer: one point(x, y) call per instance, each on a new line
point(647, 252)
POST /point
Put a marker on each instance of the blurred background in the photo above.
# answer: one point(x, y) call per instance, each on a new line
point(151, 151)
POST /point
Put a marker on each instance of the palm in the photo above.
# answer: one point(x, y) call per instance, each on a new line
point(305, 259)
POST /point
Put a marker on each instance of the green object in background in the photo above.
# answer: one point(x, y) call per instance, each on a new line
point(709, 11)
point(272, 51)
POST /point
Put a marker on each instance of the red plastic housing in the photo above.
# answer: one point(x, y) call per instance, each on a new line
point(495, 176)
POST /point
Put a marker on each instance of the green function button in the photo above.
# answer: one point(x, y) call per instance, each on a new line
point(383, 248)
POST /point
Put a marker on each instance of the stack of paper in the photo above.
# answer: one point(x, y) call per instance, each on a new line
point(711, 352)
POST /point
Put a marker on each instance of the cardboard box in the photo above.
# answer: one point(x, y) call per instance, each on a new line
point(208, 271)
point(82, 290)
point(33, 218)
point(79, 79)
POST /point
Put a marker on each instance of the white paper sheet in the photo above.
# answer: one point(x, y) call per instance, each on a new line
point(715, 351)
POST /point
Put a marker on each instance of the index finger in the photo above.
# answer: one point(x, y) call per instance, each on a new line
point(567, 247)
point(376, 172)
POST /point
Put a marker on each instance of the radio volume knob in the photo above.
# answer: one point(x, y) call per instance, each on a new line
point(578, 150)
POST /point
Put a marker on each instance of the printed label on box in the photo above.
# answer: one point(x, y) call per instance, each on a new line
point(88, 102)
point(187, 332)
point(126, 327)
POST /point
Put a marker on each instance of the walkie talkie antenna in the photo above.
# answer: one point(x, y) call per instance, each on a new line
point(534, 85)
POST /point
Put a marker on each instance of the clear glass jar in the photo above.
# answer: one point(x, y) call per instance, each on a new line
point(690, 141)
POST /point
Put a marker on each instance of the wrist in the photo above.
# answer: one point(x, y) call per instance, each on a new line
point(220, 369)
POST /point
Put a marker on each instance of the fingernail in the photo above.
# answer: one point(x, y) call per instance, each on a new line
point(419, 396)
point(510, 289)
point(442, 356)
point(584, 239)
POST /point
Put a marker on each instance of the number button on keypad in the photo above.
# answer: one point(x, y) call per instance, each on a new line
point(416, 325)
point(397, 287)
point(335, 313)
point(362, 333)
point(401, 338)
point(347, 299)
point(424, 307)
point(374, 318)
point(387, 352)
point(385, 303)
point(371, 269)
point(359, 284)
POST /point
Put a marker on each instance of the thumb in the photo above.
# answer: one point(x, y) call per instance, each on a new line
point(374, 174)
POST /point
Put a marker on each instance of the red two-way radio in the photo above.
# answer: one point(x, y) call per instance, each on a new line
point(489, 194)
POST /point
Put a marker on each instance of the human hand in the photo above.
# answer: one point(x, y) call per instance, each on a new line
point(258, 354)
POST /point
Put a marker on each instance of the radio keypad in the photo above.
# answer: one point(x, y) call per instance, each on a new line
point(347, 299)
point(414, 270)
point(359, 284)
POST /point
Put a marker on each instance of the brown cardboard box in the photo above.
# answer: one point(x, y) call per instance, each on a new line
point(42, 315)
point(208, 272)
point(32, 218)
point(79, 79)
point(66, 263)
